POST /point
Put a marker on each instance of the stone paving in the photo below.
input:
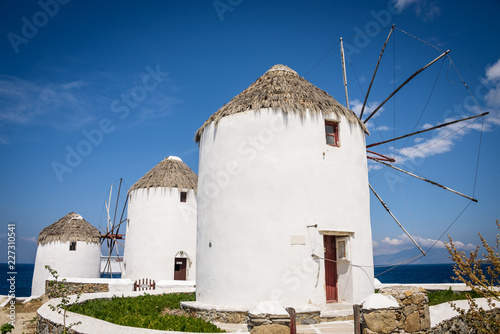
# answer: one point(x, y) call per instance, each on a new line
point(346, 327)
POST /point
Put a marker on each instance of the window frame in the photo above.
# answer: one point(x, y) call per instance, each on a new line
point(335, 135)
point(72, 246)
point(343, 248)
point(183, 196)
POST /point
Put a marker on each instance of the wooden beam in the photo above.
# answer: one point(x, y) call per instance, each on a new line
point(426, 180)
point(395, 219)
point(375, 72)
point(382, 157)
point(117, 199)
point(429, 129)
point(343, 71)
point(404, 83)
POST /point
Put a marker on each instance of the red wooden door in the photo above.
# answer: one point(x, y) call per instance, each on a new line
point(180, 269)
point(330, 268)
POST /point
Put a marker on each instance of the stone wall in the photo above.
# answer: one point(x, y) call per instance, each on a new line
point(268, 319)
point(242, 317)
point(45, 326)
point(309, 318)
point(456, 325)
point(76, 288)
point(412, 315)
point(231, 317)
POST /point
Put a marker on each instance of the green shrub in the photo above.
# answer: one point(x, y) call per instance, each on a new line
point(145, 312)
point(443, 296)
point(6, 328)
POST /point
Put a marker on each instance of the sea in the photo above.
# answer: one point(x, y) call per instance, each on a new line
point(409, 274)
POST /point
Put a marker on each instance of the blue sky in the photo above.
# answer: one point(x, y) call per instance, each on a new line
point(92, 91)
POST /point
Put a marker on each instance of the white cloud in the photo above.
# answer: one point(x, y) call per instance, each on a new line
point(425, 10)
point(356, 105)
point(393, 245)
point(402, 4)
point(394, 242)
point(493, 97)
point(418, 140)
point(493, 71)
point(443, 139)
point(426, 126)
point(48, 104)
point(30, 239)
point(382, 128)
point(372, 166)
point(74, 105)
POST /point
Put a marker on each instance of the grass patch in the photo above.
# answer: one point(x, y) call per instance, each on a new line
point(443, 296)
point(145, 312)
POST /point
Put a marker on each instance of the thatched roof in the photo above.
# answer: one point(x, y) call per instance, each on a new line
point(281, 88)
point(69, 228)
point(171, 172)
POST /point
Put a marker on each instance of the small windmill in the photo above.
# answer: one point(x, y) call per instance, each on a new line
point(112, 234)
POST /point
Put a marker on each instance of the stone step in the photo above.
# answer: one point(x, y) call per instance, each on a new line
point(346, 327)
point(336, 312)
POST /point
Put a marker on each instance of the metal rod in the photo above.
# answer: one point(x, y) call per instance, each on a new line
point(395, 219)
point(375, 72)
point(343, 71)
point(404, 83)
point(429, 129)
point(426, 180)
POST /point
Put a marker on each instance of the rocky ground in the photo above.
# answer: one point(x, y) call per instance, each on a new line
point(25, 316)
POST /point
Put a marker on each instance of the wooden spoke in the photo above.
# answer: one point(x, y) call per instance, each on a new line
point(429, 129)
point(426, 180)
point(375, 72)
point(404, 83)
point(395, 219)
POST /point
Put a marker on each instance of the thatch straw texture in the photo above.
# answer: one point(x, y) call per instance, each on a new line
point(281, 88)
point(171, 172)
point(69, 228)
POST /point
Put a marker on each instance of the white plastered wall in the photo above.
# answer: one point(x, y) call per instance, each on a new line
point(263, 177)
point(159, 228)
point(83, 262)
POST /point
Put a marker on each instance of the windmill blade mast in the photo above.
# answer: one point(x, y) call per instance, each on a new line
point(118, 256)
point(343, 71)
point(404, 83)
point(429, 129)
point(426, 180)
point(121, 217)
point(108, 204)
point(395, 219)
point(117, 199)
point(375, 72)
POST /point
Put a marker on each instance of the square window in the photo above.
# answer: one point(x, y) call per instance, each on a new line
point(343, 248)
point(72, 246)
point(183, 196)
point(332, 133)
